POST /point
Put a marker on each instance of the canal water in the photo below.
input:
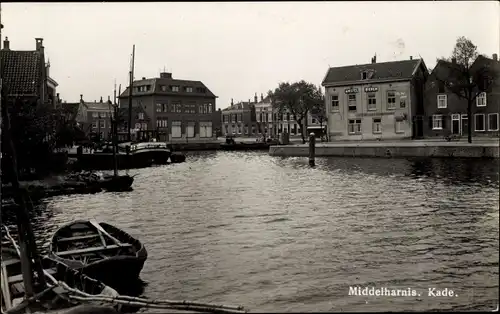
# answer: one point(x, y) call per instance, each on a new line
point(273, 234)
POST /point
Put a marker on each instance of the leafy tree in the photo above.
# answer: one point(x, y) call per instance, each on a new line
point(297, 99)
point(465, 76)
point(318, 112)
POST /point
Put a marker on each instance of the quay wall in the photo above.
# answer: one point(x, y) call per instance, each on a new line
point(490, 150)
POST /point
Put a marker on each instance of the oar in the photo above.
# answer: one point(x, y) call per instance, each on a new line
point(99, 228)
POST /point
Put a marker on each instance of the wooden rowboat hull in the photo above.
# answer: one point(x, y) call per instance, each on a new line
point(80, 245)
point(117, 184)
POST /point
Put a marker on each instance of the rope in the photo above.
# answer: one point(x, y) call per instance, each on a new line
point(84, 297)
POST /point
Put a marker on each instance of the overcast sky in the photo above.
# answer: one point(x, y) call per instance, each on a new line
point(238, 49)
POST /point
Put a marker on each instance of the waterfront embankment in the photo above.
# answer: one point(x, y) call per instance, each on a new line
point(417, 148)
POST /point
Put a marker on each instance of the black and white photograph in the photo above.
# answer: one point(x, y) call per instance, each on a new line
point(239, 157)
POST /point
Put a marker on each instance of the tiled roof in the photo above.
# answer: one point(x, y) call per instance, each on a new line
point(21, 72)
point(381, 71)
point(156, 84)
point(98, 106)
point(238, 106)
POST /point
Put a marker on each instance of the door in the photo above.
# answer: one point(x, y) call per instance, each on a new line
point(455, 124)
point(465, 125)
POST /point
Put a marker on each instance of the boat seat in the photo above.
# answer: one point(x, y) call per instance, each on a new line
point(19, 278)
point(10, 262)
point(77, 238)
point(93, 249)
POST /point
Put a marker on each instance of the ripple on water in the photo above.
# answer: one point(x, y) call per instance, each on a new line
point(275, 235)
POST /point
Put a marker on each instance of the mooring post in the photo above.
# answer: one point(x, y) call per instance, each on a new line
point(312, 149)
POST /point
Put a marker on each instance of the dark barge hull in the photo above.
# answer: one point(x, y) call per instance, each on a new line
point(105, 161)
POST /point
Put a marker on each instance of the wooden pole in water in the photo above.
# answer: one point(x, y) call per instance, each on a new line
point(312, 149)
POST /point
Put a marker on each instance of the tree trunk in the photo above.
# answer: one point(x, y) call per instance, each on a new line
point(470, 119)
point(302, 130)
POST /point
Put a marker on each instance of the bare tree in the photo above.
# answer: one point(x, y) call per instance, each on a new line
point(297, 99)
point(465, 75)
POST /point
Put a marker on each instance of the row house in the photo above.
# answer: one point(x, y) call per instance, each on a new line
point(177, 110)
point(25, 74)
point(94, 118)
point(239, 119)
point(447, 113)
point(376, 100)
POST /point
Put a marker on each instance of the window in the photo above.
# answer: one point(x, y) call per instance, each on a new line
point(335, 102)
point(354, 126)
point(481, 100)
point(363, 75)
point(137, 126)
point(190, 129)
point(209, 108)
point(163, 88)
point(398, 126)
point(176, 129)
point(144, 126)
point(351, 98)
point(391, 100)
point(95, 115)
point(175, 88)
point(313, 121)
point(372, 102)
point(176, 107)
point(442, 101)
point(233, 118)
point(206, 129)
point(102, 124)
point(165, 107)
point(377, 125)
point(161, 123)
point(240, 117)
point(287, 116)
point(159, 107)
point(493, 122)
point(479, 124)
point(189, 89)
point(141, 115)
point(94, 125)
point(437, 122)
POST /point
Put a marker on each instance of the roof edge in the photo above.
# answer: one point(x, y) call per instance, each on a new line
point(345, 83)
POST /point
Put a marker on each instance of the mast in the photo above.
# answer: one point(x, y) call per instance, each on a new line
point(114, 130)
point(129, 138)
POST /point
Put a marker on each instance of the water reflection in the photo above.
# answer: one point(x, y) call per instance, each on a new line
point(274, 234)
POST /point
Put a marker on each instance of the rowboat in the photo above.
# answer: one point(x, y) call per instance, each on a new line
point(117, 183)
point(46, 297)
point(99, 250)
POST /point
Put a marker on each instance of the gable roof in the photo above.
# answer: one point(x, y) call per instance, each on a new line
point(71, 109)
point(157, 83)
point(396, 70)
point(22, 72)
point(242, 105)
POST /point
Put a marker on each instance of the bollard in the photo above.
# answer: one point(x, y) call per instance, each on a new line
point(312, 149)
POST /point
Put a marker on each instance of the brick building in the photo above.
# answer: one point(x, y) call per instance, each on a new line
point(239, 119)
point(376, 100)
point(446, 113)
point(178, 110)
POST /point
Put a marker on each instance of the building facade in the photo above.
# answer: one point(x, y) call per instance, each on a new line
point(376, 100)
point(25, 74)
point(94, 118)
point(446, 113)
point(178, 110)
point(239, 119)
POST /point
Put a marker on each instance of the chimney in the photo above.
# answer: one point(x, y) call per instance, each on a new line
point(39, 44)
point(101, 99)
point(81, 98)
point(143, 77)
point(411, 57)
point(47, 68)
point(255, 98)
point(374, 59)
point(454, 60)
point(58, 99)
point(166, 75)
point(6, 44)
point(495, 57)
point(261, 97)
point(231, 101)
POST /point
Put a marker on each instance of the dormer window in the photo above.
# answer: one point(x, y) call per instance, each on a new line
point(364, 75)
point(175, 88)
point(189, 89)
